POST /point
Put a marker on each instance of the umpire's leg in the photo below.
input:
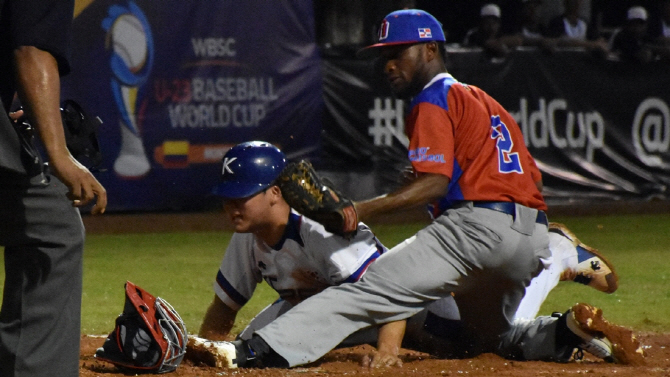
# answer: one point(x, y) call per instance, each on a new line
point(40, 320)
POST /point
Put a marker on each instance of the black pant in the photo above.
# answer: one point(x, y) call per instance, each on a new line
point(40, 319)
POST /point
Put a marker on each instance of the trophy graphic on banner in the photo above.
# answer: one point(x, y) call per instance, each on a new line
point(129, 38)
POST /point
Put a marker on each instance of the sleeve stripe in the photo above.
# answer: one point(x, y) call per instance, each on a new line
point(357, 275)
point(229, 290)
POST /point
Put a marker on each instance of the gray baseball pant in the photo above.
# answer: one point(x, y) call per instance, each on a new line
point(415, 332)
point(486, 258)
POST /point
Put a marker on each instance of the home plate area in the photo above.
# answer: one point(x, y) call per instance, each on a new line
point(347, 361)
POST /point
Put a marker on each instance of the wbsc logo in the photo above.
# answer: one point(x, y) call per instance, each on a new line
point(651, 132)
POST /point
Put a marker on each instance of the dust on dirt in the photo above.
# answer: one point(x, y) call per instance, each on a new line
point(347, 361)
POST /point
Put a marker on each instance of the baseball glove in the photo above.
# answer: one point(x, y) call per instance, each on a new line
point(315, 198)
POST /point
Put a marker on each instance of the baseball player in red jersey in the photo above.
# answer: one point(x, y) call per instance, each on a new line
point(489, 240)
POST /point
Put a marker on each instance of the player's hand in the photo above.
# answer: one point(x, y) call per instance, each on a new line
point(82, 185)
point(381, 359)
point(16, 115)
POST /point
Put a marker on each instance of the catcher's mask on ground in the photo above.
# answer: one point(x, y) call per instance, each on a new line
point(249, 168)
point(149, 335)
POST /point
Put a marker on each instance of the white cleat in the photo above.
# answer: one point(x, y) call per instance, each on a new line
point(592, 268)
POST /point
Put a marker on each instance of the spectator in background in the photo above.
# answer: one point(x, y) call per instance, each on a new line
point(530, 28)
point(569, 24)
point(631, 42)
point(570, 29)
point(487, 34)
point(659, 26)
point(530, 25)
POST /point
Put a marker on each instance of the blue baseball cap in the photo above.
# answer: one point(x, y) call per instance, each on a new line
point(405, 26)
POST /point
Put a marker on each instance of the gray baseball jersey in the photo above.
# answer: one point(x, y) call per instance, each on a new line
point(304, 262)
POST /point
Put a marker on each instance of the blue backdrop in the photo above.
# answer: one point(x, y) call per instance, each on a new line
point(178, 82)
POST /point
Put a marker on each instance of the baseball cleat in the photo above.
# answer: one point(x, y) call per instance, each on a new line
point(601, 338)
point(592, 268)
point(219, 354)
point(589, 341)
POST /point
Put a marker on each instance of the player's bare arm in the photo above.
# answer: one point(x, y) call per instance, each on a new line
point(423, 190)
point(389, 341)
point(218, 321)
point(39, 90)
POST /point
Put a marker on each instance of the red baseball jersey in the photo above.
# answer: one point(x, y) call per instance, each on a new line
point(460, 131)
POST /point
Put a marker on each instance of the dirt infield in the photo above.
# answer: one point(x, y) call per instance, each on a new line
point(347, 362)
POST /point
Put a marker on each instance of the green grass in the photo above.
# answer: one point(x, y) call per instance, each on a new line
point(639, 248)
point(181, 267)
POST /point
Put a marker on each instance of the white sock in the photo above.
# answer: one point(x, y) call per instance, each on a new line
point(563, 251)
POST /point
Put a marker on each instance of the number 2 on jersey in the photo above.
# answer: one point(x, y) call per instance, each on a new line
point(508, 162)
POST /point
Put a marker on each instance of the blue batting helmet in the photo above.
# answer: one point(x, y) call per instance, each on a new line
point(249, 168)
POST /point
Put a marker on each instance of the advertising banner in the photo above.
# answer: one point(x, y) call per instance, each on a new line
point(598, 129)
point(178, 82)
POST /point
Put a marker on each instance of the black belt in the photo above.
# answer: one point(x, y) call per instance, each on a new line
point(509, 208)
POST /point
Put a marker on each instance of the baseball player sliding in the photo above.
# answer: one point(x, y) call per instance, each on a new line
point(298, 258)
point(295, 255)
